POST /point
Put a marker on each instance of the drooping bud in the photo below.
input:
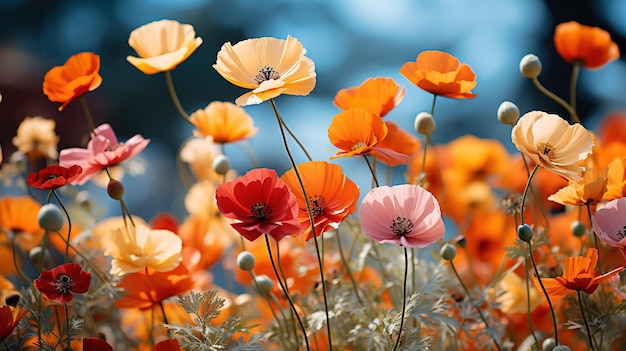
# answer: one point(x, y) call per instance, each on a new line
point(525, 233)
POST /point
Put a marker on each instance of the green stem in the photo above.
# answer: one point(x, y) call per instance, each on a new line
point(69, 227)
point(347, 267)
point(296, 139)
point(280, 282)
point(573, 82)
point(371, 170)
point(530, 321)
point(90, 124)
point(530, 178)
point(406, 272)
point(269, 302)
point(174, 96)
point(557, 99)
point(545, 292)
point(593, 234)
point(582, 312)
point(13, 236)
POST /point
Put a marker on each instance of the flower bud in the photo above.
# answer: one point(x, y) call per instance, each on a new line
point(508, 113)
point(424, 123)
point(115, 189)
point(548, 344)
point(245, 261)
point(221, 164)
point(38, 256)
point(525, 233)
point(530, 66)
point(12, 299)
point(561, 348)
point(578, 228)
point(50, 218)
point(264, 284)
point(447, 252)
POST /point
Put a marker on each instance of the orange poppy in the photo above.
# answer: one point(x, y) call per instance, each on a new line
point(591, 46)
point(589, 189)
point(147, 288)
point(357, 131)
point(379, 95)
point(331, 195)
point(476, 158)
point(203, 241)
point(440, 73)
point(397, 140)
point(78, 75)
point(579, 274)
point(19, 215)
point(225, 122)
point(9, 317)
point(615, 179)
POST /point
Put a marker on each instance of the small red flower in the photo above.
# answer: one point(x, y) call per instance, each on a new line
point(167, 345)
point(260, 203)
point(54, 177)
point(61, 283)
point(95, 344)
point(9, 317)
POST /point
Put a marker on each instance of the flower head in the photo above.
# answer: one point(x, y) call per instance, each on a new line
point(358, 131)
point(147, 288)
point(103, 150)
point(592, 46)
point(53, 177)
point(139, 247)
point(552, 143)
point(331, 195)
point(440, 73)
point(224, 122)
point(405, 215)
point(260, 203)
point(268, 66)
point(378, 95)
point(19, 215)
point(61, 283)
point(9, 317)
point(579, 274)
point(609, 223)
point(587, 190)
point(78, 75)
point(36, 138)
point(162, 45)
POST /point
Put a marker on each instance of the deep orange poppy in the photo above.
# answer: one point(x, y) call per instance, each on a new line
point(19, 214)
point(331, 195)
point(397, 140)
point(579, 274)
point(379, 95)
point(357, 131)
point(440, 73)
point(78, 75)
point(592, 46)
point(225, 122)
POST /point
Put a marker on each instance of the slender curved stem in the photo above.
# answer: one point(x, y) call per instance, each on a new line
point(269, 303)
point(174, 96)
point(296, 139)
point(582, 312)
point(90, 124)
point(530, 178)
point(573, 82)
point(530, 321)
point(545, 292)
point(557, 99)
point(371, 170)
point(406, 272)
point(347, 267)
point(69, 226)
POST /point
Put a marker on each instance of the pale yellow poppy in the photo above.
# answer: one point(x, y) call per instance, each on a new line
point(162, 45)
point(552, 143)
point(268, 66)
point(36, 138)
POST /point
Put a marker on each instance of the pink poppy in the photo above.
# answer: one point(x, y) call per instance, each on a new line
point(406, 215)
point(609, 223)
point(260, 203)
point(102, 151)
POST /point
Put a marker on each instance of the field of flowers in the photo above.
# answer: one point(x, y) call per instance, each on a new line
point(478, 248)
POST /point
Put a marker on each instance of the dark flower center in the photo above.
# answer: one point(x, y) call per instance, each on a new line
point(51, 176)
point(317, 203)
point(621, 233)
point(547, 149)
point(64, 284)
point(266, 73)
point(401, 226)
point(260, 211)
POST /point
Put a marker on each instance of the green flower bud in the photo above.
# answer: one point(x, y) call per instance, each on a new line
point(50, 218)
point(447, 252)
point(508, 113)
point(578, 228)
point(525, 233)
point(530, 66)
point(221, 164)
point(264, 284)
point(245, 261)
point(424, 123)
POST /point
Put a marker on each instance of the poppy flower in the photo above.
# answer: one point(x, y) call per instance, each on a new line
point(397, 140)
point(592, 46)
point(78, 75)
point(260, 203)
point(440, 73)
point(19, 215)
point(147, 288)
point(36, 138)
point(358, 131)
point(9, 317)
point(406, 215)
point(136, 248)
point(167, 345)
point(53, 177)
point(609, 223)
point(162, 45)
point(579, 274)
point(62, 282)
point(95, 344)
point(378, 95)
point(552, 143)
point(589, 189)
point(103, 150)
point(224, 122)
point(615, 179)
point(331, 195)
point(269, 66)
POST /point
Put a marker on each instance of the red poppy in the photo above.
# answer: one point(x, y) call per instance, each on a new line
point(62, 282)
point(95, 344)
point(167, 345)
point(147, 288)
point(9, 317)
point(78, 75)
point(54, 177)
point(260, 203)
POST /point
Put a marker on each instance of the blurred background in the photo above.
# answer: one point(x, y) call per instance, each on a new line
point(349, 41)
